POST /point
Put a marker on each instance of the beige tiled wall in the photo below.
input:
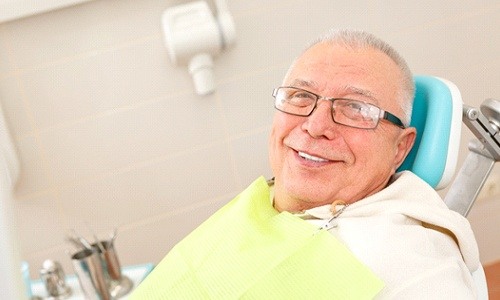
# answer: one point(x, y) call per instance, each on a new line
point(110, 133)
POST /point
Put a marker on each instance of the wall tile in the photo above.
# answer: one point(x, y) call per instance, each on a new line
point(238, 8)
point(146, 191)
point(14, 107)
point(453, 45)
point(68, 32)
point(149, 242)
point(34, 175)
point(6, 60)
point(251, 156)
point(401, 16)
point(39, 223)
point(277, 35)
point(161, 128)
point(101, 82)
point(247, 102)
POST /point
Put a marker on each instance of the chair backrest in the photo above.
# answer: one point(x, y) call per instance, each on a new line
point(437, 115)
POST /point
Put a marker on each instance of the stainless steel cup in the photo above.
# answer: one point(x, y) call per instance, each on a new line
point(91, 275)
point(119, 284)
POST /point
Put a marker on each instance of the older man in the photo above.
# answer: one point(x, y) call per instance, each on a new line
point(343, 149)
point(338, 137)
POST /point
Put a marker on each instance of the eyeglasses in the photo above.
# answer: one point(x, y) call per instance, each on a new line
point(349, 112)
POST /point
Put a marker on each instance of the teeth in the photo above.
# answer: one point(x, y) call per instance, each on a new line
point(310, 157)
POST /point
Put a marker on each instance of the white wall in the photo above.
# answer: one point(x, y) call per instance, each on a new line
point(109, 133)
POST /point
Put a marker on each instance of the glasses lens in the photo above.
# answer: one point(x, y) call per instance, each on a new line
point(355, 113)
point(294, 101)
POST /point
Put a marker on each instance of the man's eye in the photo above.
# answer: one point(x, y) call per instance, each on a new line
point(301, 99)
point(355, 106)
point(359, 108)
point(303, 95)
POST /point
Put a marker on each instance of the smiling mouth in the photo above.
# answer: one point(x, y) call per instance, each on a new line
point(311, 157)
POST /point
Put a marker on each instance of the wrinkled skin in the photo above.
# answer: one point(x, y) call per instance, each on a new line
point(347, 163)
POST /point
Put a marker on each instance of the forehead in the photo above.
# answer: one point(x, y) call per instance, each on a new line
point(337, 71)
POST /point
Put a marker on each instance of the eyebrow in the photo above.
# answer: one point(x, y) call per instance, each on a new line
point(304, 83)
point(350, 89)
point(359, 91)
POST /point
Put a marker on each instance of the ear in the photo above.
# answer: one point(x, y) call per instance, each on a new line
point(405, 142)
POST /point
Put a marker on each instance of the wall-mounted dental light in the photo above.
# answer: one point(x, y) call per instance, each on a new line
point(193, 36)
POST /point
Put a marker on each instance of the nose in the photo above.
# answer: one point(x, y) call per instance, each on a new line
point(320, 122)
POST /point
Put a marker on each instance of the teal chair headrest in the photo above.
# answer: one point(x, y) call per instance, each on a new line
point(437, 116)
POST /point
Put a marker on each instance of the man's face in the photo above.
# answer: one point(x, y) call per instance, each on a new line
point(316, 161)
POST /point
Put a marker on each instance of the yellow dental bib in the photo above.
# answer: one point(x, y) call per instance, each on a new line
point(248, 250)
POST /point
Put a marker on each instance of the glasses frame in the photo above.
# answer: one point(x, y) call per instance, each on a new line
point(383, 114)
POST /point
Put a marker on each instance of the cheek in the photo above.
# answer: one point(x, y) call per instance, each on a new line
point(272, 147)
point(275, 141)
point(281, 128)
point(378, 154)
point(369, 149)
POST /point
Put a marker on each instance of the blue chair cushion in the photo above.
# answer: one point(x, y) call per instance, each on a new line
point(432, 117)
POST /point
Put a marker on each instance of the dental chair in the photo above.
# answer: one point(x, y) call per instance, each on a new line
point(438, 113)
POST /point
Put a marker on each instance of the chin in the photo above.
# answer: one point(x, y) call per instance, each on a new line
point(306, 192)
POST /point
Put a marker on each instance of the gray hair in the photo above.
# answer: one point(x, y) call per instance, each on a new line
point(356, 39)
